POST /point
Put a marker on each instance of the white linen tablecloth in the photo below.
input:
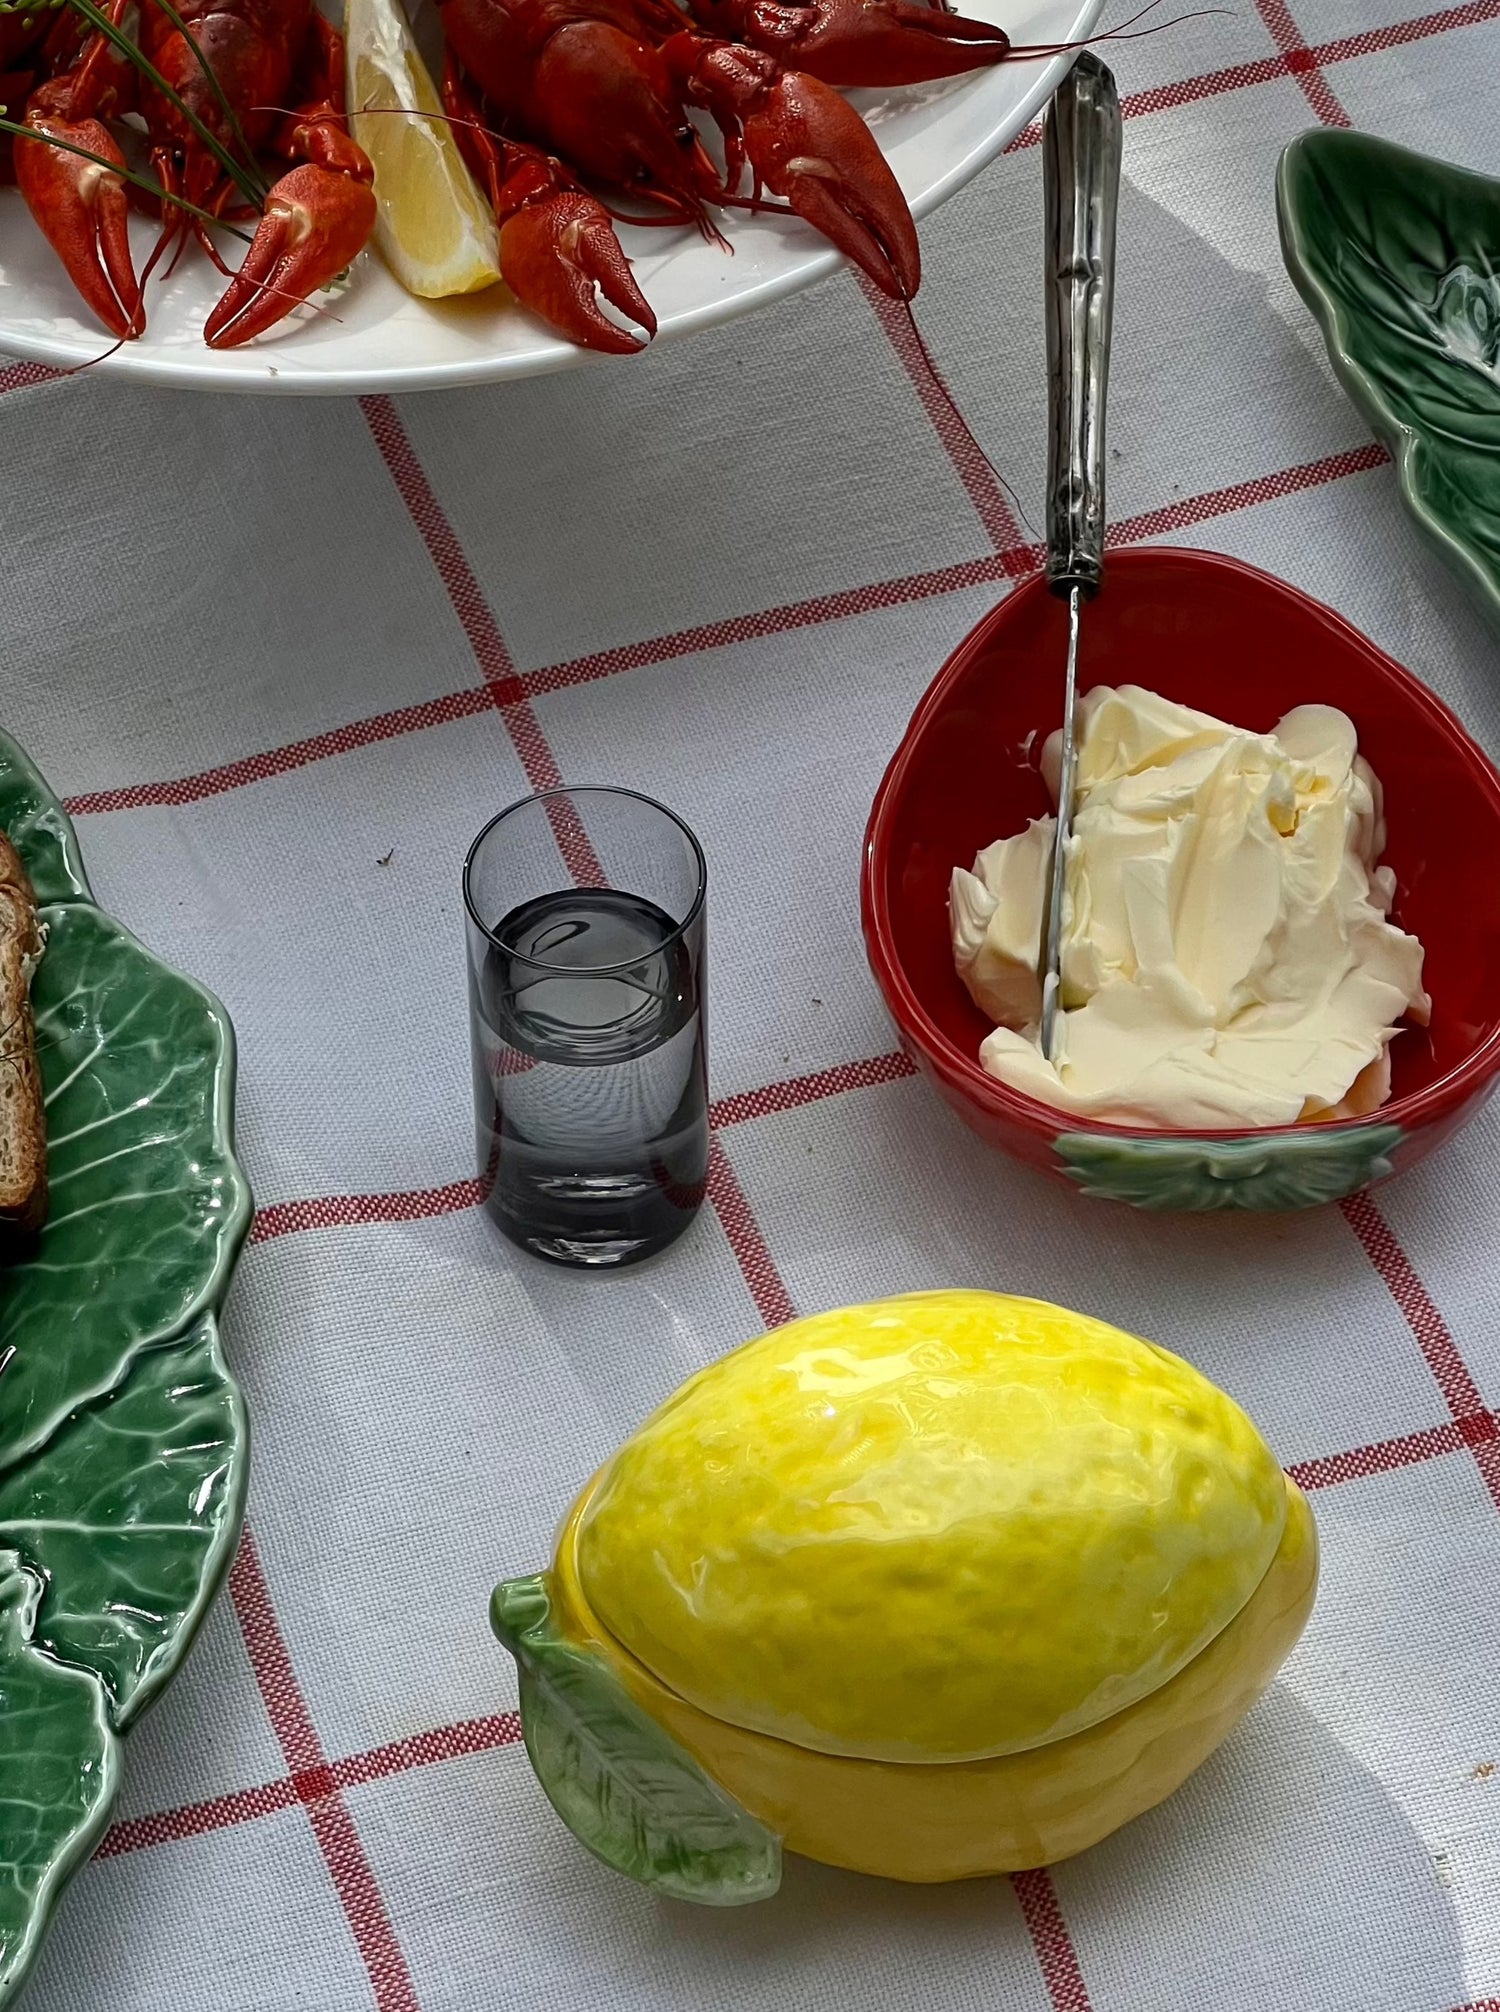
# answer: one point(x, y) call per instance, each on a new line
point(286, 658)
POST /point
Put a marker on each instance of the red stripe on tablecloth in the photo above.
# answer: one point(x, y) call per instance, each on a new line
point(752, 1253)
point(1243, 495)
point(1459, 1389)
point(822, 608)
point(1265, 69)
point(980, 482)
point(1188, 90)
point(1440, 1351)
point(295, 755)
point(221, 1812)
point(445, 1743)
point(343, 1853)
point(792, 615)
point(1396, 34)
point(407, 1205)
point(478, 623)
point(1051, 1941)
point(331, 1212)
point(16, 376)
point(1302, 62)
point(447, 554)
point(812, 613)
point(799, 1090)
point(1384, 1457)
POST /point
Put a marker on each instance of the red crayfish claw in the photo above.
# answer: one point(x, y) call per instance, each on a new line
point(317, 218)
point(859, 42)
point(317, 221)
point(808, 145)
point(558, 249)
point(557, 246)
point(81, 206)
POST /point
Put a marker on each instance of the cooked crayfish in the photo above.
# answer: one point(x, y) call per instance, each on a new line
point(550, 100)
point(558, 249)
point(221, 86)
point(803, 142)
point(852, 42)
point(607, 87)
point(585, 79)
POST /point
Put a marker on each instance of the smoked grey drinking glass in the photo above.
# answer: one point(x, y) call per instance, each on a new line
point(586, 923)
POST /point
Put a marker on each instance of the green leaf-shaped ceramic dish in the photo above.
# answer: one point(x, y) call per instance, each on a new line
point(1398, 256)
point(123, 1438)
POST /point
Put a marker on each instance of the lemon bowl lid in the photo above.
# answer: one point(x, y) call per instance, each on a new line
point(935, 1528)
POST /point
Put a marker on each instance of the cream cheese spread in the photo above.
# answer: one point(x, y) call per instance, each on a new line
point(1228, 957)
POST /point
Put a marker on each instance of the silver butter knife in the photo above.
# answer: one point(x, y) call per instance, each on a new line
point(1081, 180)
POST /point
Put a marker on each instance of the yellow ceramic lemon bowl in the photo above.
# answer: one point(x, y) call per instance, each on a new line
point(943, 1586)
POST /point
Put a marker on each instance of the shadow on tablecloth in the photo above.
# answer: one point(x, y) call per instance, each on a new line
point(1282, 1877)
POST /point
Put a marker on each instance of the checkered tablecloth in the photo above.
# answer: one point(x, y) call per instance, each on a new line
point(286, 658)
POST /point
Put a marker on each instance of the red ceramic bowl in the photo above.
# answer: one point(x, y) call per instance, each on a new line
point(1207, 632)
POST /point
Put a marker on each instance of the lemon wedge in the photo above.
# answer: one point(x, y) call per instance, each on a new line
point(434, 228)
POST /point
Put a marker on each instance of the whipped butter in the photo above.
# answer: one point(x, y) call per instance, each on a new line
point(1228, 958)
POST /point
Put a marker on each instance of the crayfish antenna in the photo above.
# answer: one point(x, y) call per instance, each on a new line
point(884, 42)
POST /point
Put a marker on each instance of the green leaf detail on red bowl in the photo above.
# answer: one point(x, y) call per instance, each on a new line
point(1283, 1170)
point(123, 1442)
point(1395, 253)
point(620, 1782)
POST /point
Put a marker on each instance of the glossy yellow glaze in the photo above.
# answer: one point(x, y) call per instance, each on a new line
point(942, 1527)
point(963, 1820)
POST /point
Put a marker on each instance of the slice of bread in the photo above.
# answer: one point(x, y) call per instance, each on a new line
point(23, 1124)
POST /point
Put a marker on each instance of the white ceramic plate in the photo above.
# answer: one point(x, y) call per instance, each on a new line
point(937, 136)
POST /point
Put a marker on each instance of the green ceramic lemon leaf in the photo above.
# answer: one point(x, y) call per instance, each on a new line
point(132, 1515)
point(618, 1780)
point(59, 1768)
point(122, 1435)
point(1396, 254)
point(147, 1201)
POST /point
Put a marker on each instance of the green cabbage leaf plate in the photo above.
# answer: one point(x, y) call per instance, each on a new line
point(1398, 256)
point(123, 1437)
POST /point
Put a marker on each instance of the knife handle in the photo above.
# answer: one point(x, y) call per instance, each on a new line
point(1081, 142)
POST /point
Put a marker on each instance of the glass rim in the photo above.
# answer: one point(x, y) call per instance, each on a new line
point(543, 797)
